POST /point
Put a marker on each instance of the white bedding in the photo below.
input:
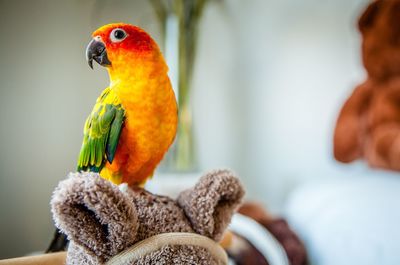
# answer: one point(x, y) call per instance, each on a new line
point(349, 220)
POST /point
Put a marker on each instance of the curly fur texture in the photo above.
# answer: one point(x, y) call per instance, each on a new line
point(100, 220)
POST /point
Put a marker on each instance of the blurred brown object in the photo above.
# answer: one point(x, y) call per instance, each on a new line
point(368, 125)
point(256, 212)
point(279, 228)
point(46, 259)
point(244, 253)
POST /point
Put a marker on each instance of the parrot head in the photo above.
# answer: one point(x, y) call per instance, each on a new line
point(117, 44)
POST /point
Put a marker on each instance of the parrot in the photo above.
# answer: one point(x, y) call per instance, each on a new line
point(134, 120)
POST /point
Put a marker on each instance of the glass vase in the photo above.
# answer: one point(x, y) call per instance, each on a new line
point(179, 20)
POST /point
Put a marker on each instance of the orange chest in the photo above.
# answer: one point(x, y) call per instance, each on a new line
point(147, 128)
point(148, 131)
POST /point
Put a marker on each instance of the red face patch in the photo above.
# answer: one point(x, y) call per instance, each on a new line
point(124, 36)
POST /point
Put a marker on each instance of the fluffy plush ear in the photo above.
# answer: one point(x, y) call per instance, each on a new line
point(95, 214)
point(210, 204)
point(367, 19)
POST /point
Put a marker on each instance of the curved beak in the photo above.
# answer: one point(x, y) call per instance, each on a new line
point(96, 50)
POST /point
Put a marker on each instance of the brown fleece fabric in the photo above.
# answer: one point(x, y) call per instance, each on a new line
point(101, 221)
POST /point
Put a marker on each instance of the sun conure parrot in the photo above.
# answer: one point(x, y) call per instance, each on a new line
point(134, 120)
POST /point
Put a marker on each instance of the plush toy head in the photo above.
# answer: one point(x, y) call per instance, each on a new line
point(379, 26)
point(101, 220)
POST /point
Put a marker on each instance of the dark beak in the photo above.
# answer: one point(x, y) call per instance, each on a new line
point(96, 50)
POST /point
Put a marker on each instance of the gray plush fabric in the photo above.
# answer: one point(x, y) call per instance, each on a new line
point(212, 202)
point(101, 221)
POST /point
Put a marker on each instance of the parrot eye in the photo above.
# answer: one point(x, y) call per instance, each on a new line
point(117, 35)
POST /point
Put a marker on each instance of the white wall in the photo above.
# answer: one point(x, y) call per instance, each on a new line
point(280, 71)
point(270, 78)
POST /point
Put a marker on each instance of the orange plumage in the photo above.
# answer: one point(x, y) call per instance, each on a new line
point(140, 84)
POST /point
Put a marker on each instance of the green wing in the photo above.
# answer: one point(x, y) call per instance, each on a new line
point(101, 135)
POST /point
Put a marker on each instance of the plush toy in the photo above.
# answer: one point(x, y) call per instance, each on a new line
point(112, 224)
point(369, 123)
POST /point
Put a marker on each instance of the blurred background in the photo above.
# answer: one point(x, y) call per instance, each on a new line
point(268, 83)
